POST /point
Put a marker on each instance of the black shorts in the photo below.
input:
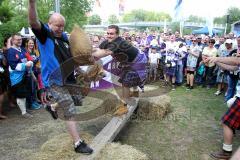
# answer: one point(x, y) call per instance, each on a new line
point(190, 72)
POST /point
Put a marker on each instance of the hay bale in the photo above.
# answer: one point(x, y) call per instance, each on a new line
point(59, 147)
point(80, 46)
point(154, 108)
point(121, 152)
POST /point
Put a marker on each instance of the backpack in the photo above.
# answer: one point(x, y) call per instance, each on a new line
point(201, 69)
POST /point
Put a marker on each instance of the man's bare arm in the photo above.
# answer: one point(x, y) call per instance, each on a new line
point(99, 53)
point(235, 61)
point(227, 67)
point(32, 15)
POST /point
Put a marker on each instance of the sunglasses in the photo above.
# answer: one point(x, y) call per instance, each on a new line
point(211, 42)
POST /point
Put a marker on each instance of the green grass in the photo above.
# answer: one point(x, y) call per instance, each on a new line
point(190, 132)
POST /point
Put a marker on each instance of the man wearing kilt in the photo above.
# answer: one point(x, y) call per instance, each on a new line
point(132, 64)
point(231, 119)
point(19, 68)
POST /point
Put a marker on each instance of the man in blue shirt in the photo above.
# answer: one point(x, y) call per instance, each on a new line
point(54, 51)
point(18, 69)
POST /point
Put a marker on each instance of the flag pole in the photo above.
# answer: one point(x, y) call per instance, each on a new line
point(225, 31)
point(57, 6)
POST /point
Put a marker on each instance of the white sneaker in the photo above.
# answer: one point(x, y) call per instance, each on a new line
point(27, 115)
point(217, 93)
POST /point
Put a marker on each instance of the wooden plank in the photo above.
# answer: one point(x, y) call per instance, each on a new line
point(110, 131)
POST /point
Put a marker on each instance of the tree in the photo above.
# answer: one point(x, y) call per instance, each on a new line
point(13, 14)
point(234, 14)
point(75, 12)
point(113, 19)
point(5, 12)
point(94, 19)
point(196, 19)
point(220, 20)
point(142, 15)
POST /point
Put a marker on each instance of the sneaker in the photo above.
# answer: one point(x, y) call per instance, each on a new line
point(221, 155)
point(53, 113)
point(217, 93)
point(35, 105)
point(134, 94)
point(191, 87)
point(83, 148)
point(27, 115)
point(173, 87)
point(121, 110)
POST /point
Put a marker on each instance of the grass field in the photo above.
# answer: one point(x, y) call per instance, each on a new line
point(190, 132)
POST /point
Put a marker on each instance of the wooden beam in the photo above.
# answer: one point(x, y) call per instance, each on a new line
point(110, 131)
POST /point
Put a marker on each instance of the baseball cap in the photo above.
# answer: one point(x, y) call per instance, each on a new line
point(228, 41)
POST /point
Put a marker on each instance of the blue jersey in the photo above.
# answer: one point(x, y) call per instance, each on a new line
point(54, 53)
point(17, 64)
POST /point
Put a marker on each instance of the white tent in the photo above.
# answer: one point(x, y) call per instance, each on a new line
point(27, 32)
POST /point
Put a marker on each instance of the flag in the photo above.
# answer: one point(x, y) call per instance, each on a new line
point(209, 24)
point(177, 9)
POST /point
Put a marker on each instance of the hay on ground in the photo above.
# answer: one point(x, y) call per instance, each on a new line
point(59, 147)
point(154, 108)
point(117, 151)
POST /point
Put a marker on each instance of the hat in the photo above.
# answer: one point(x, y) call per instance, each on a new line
point(228, 41)
point(153, 47)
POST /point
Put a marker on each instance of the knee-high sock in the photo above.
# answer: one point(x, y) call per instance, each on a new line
point(22, 105)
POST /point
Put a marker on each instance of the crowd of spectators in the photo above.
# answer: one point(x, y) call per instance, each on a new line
point(179, 61)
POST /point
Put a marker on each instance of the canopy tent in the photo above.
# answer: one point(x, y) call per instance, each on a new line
point(204, 30)
point(26, 32)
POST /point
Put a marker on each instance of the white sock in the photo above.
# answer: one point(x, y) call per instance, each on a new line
point(77, 143)
point(135, 89)
point(227, 147)
point(22, 105)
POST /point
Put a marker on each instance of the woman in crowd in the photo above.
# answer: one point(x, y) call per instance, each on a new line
point(31, 56)
point(209, 51)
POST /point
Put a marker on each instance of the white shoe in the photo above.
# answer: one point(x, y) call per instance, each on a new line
point(217, 93)
point(27, 115)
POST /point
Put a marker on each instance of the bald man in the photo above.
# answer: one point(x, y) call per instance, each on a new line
point(54, 51)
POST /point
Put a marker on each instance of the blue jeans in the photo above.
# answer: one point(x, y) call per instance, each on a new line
point(232, 82)
point(179, 74)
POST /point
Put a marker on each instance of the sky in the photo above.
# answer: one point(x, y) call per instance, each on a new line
point(202, 8)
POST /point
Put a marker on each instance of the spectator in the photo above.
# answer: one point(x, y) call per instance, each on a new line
point(209, 51)
point(31, 56)
point(232, 75)
point(221, 74)
point(193, 54)
point(181, 52)
point(19, 68)
point(154, 62)
point(3, 82)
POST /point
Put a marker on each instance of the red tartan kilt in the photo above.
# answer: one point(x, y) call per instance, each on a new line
point(232, 117)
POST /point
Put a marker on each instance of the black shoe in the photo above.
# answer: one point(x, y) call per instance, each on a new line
point(221, 155)
point(83, 148)
point(53, 113)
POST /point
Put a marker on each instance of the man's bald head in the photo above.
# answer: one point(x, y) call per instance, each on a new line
point(56, 16)
point(56, 24)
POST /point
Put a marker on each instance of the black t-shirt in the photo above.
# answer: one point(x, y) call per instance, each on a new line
point(120, 47)
point(61, 51)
